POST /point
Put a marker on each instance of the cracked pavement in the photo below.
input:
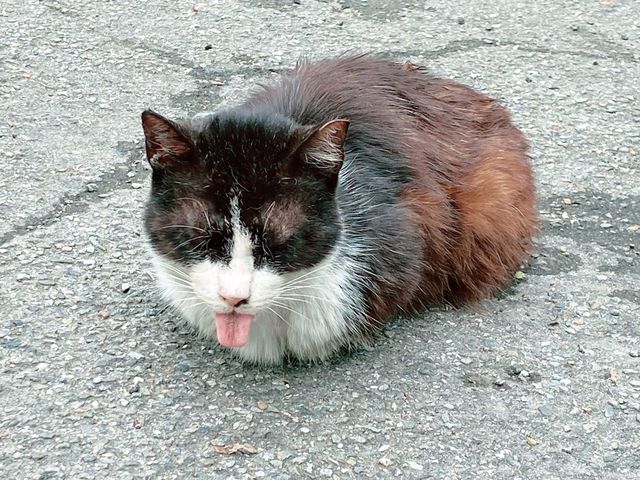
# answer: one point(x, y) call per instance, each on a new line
point(99, 380)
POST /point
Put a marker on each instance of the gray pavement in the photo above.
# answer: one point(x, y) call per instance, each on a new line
point(98, 380)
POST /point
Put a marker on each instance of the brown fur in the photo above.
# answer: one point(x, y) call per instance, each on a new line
point(477, 219)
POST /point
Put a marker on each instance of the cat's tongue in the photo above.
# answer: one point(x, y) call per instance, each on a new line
point(233, 328)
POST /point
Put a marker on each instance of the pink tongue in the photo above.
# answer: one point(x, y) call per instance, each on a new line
point(233, 328)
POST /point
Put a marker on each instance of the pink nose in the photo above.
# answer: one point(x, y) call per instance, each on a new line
point(235, 301)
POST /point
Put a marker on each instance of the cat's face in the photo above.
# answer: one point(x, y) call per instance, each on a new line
point(239, 205)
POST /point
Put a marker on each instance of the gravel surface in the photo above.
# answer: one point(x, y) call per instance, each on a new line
point(98, 380)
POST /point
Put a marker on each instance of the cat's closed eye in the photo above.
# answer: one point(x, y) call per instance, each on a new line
point(282, 218)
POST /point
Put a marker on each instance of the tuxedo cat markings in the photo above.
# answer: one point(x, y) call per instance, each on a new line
point(299, 222)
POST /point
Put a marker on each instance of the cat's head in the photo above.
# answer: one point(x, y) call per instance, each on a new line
point(240, 201)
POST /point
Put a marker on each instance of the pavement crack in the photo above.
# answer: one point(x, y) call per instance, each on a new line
point(463, 46)
point(121, 178)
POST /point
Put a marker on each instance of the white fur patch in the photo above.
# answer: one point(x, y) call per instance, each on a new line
point(304, 313)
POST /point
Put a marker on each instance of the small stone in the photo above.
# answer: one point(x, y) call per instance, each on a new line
point(89, 458)
point(460, 20)
point(103, 314)
point(125, 287)
point(532, 442)
point(624, 37)
point(134, 357)
point(513, 370)
point(282, 455)
point(136, 185)
point(97, 380)
point(336, 438)
point(545, 410)
point(519, 275)
point(208, 47)
point(535, 377)
point(609, 411)
point(262, 405)
point(384, 448)
point(38, 455)
point(475, 379)
point(304, 430)
point(385, 462)
point(614, 313)
point(91, 187)
point(634, 353)
point(575, 28)
point(415, 466)
point(21, 277)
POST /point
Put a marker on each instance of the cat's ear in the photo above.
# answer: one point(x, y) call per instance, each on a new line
point(324, 147)
point(166, 145)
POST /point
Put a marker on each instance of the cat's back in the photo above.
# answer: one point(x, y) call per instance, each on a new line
point(403, 106)
point(359, 88)
point(362, 88)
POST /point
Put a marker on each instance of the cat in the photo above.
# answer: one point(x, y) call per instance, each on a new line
point(356, 188)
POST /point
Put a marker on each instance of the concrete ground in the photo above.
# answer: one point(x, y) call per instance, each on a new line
point(97, 380)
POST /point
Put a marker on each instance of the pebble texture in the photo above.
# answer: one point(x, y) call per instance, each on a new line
point(99, 380)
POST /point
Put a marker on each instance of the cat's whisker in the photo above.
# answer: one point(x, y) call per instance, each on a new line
point(188, 241)
point(305, 277)
point(286, 307)
point(279, 316)
point(268, 214)
point(303, 297)
point(193, 227)
point(180, 281)
point(169, 266)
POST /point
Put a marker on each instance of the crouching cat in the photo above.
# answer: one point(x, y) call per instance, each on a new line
point(300, 221)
